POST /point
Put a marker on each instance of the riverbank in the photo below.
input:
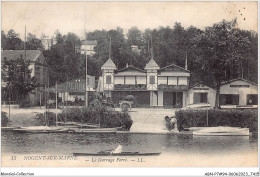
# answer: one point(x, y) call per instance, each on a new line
point(145, 120)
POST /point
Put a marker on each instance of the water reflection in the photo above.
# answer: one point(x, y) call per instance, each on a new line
point(62, 143)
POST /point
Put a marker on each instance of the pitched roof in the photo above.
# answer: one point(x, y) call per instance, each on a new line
point(151, 65)
point(31, 55)
point(239, 79)
point(109, 64)
point(175, 68)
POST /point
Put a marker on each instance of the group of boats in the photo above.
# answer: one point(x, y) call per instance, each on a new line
point(195, 131)
point(68, 127)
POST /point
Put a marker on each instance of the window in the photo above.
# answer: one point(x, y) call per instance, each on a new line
point(200, 98)
point(108, 79)
point(88, 82)
point(152, 79)
point(251, 99)
point(229, 99)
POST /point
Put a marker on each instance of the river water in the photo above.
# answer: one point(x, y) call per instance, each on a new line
point(183, 147)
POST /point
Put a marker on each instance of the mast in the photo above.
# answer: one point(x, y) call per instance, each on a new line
point(186, 61)
point(110, 48)
point(56, 91)
point(25, 43)
point(86, 64)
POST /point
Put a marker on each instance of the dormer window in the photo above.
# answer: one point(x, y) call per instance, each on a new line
point(108, 79)
point(152, 79)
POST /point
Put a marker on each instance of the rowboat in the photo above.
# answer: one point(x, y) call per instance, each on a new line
point(116, 154)
point(221, 131)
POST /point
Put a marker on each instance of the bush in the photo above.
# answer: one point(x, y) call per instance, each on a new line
point(4, 119)
point(40, 119)
point(230, 117)
point(106, 119)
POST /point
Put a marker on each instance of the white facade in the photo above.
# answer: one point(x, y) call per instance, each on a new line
point(242, 89)
point(197, 94)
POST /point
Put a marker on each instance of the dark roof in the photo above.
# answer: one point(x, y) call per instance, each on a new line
point(239, 79)
point(131, 68)
point(31, 55)
point(176, 67)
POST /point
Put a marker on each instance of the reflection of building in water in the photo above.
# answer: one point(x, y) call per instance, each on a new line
point(87, 47)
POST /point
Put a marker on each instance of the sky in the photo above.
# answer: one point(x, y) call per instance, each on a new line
point(47, 17)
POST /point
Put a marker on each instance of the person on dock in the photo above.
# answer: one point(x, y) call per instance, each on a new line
point(118, 149)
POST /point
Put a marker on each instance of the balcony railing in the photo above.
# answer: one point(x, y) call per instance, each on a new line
point(166, 87)
point(129, 87)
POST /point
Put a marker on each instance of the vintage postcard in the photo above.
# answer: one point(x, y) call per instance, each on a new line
point(129, 84)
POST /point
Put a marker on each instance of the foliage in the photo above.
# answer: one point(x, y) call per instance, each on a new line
point(12, 41)
point(17, 75)
point(106, 119)
point(230, 117)
point(63, 59)
point(4, 119)
point(214, 54)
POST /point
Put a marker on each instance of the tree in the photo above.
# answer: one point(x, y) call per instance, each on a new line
point(33, 43)
point(17, 75)
point(11, 41)
point(134, 37)
point(221, 47)
point(62, 59)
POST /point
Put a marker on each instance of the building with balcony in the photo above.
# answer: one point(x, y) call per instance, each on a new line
point(153, 86)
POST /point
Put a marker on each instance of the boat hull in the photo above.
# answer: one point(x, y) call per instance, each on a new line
point(222, 131)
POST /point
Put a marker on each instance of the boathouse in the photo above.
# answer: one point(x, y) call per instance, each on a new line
point(201, 94)
point(238, 93)
point(153, 86)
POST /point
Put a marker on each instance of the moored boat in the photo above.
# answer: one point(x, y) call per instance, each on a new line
point(221, 131)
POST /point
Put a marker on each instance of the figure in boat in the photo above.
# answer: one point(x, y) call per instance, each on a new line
point(117, 150)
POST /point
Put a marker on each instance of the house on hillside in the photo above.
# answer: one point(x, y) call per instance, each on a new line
point(47, 42)
point(153, 86)
point(87, 47)
point(38, 67)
